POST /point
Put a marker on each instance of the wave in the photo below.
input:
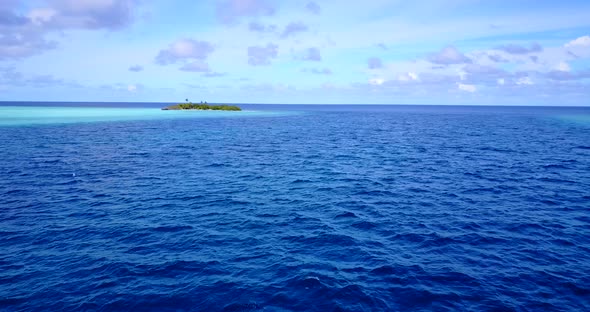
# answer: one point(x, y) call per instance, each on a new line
point(326, 211)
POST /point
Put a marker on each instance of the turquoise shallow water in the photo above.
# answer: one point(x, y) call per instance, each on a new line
point(32, 115)
point(339, 208)
point(578, 119)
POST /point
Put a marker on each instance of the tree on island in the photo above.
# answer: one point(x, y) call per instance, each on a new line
point(202, 106)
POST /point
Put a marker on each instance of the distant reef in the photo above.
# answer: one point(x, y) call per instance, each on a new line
point(202, 106)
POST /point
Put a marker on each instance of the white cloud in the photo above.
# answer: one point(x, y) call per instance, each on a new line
point(26, 30)
point(583, 41)
point(184, 49)
point(448, 56)
point(466, 87)
point(501, 81)
point(375, 63)
point(462, 74)
point(563, 66)
point(261, 55)
point(313, 8)
point(294, 28)
point(131, 88)
point(42, 15)
point(135, 68)
point(196, 66)
point(524, 81)
point(230, 11)
point(409, 76)
point(518, 49)
point(376, 81)
point(89, 14)
point(311, 54)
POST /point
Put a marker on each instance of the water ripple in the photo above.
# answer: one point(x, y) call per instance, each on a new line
point(377, 210)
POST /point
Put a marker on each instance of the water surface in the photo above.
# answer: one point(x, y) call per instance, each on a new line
point(34, 115)
point(337, 208)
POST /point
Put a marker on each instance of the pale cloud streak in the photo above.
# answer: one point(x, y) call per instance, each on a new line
point(196, 66)
point(230, 11)
point(313, 7)
point(294, 28)
point(466, 87)
point(449, 56)
point(262, 55)
point(184, 49)
point(311, 54)
point(520, 49)
point(374, 63)
point(261, 28)
point(319, 71)
point(136, 68)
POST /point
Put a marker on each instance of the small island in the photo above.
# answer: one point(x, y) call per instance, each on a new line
point(202, 106)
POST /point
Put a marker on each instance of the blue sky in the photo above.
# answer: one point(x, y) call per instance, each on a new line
point(318, 52)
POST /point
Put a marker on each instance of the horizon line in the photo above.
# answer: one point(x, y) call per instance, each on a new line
point(316, 104)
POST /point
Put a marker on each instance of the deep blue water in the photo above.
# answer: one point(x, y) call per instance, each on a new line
point(335, 208)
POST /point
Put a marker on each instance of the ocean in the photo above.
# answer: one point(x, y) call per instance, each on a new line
point(123, 207)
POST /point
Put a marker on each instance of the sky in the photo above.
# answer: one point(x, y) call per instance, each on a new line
point(297, 52)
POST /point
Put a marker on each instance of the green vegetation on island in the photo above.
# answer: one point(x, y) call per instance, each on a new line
point(202, 106)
